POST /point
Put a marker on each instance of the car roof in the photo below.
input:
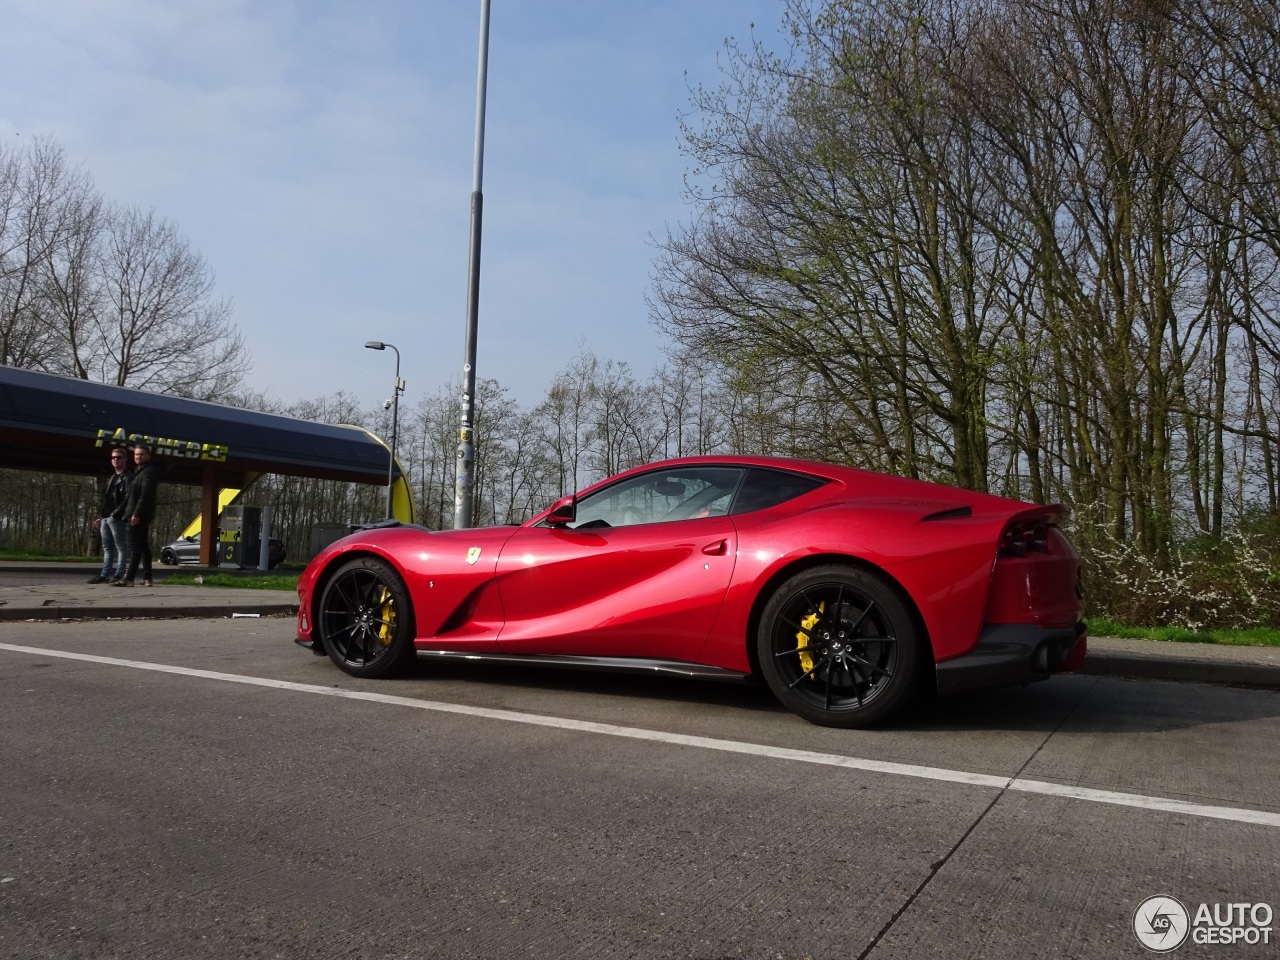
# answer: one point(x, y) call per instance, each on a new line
point(867, 483)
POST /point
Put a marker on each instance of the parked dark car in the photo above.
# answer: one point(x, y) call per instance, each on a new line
point(187, 550)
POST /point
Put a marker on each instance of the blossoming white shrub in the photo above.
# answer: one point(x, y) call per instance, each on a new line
point(1231, 583)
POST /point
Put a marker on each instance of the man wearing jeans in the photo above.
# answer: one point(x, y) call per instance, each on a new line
point(110, 520)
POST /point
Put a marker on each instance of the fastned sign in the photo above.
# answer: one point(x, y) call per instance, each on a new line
point(164, 446)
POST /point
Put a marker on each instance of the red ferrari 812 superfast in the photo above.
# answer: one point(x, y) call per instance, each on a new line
point(844, 590)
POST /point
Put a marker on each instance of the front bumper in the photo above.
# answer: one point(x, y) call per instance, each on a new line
point(1014, 653)
point(306, 636)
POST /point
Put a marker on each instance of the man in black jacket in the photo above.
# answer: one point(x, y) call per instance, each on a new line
point(139, 511)
point(110, 521)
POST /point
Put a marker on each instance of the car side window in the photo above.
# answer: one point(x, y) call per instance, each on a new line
point(661, 496)
point(767, 488)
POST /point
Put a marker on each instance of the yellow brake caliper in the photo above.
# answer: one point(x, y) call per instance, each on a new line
point(387, 614)
point(809, 622)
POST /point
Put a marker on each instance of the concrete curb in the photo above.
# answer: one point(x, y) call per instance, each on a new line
point(1182, 668)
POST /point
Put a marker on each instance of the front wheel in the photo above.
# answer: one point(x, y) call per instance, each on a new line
point(365, 620)
point(168, 557)
point(839, 646)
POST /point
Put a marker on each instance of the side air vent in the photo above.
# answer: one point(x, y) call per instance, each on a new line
point(953, 514)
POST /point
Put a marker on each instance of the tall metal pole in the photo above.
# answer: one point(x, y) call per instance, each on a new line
point(464, 486)
point(395, 426)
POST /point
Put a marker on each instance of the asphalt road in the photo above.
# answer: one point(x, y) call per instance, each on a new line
point(232, 805)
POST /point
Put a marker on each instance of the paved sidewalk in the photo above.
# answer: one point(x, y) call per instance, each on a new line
point(65, 595)
point(85, 602)
point(37, 591)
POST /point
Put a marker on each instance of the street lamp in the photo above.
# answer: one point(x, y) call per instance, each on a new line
point(395, 417)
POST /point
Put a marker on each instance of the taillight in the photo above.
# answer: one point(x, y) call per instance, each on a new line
point(1019, 538)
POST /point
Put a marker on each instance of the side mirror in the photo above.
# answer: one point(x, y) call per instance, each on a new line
point(563, 511)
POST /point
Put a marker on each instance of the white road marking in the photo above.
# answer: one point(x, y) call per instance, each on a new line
point(1164, 804)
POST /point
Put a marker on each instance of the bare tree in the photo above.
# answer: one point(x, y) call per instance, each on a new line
point(567, 421)
point(41, 198)
point(105, 293)
point(1027, 244)
point(435, 426)
point(161, 327)
point(71, 296)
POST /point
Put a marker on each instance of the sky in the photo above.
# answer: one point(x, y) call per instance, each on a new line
point(320, 156)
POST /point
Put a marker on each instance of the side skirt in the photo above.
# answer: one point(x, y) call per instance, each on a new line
point(669, 668)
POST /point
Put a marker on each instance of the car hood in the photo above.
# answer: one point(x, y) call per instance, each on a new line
point(447, 547)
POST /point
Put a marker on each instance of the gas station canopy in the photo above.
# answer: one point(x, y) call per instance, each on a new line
point(58, 424)
point(62, 425)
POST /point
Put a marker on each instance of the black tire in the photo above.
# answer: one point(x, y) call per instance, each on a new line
point(365, 619)
point(839, 646)
point(168, 557)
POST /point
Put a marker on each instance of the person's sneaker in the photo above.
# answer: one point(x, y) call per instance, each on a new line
point(147, 583)
point(122, 583)
point(98, 579)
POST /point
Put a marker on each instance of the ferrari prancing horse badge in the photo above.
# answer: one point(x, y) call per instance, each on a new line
point(473, 555)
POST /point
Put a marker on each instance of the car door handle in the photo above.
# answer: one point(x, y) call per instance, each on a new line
point(717, 549)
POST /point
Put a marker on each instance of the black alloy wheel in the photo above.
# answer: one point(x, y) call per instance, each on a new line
point(168, 558)
point(365, 619)
point(839, 646)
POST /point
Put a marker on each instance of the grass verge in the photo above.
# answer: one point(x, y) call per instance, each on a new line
point(227, 580)
point(1252, 637)
point(27, 556)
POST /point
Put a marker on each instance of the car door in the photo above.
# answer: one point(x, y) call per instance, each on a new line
point(642, 571)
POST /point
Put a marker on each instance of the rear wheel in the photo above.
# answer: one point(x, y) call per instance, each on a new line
point(839, 646)
point(365, 620)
